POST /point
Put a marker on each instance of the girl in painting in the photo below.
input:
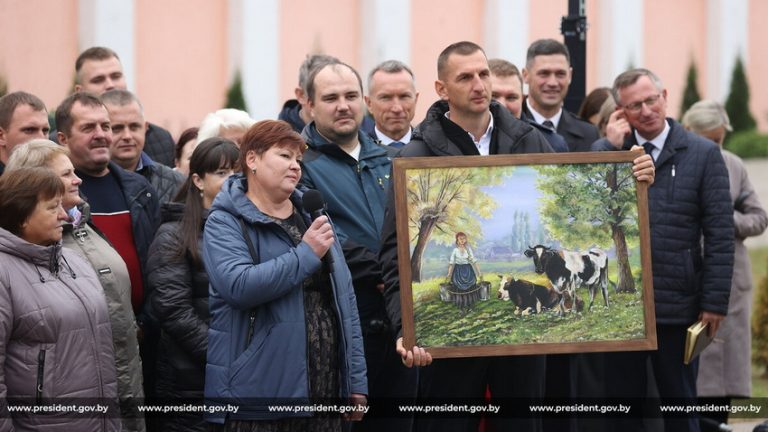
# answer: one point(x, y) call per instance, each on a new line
point(463, 273)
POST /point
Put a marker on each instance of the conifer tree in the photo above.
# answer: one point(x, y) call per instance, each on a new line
point(691, 92)
point(737, 104)
point(235, 97)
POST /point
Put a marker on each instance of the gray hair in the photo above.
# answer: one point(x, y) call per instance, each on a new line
point(627, 78)
point(706, 115)
point(225, 118)
point(311, 63)
point(390, 67)
point(121, 98)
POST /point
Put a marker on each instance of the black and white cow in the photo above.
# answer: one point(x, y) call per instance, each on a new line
point(568, 270)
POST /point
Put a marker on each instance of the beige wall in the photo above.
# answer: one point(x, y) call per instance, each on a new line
point(182, 47)
point(182, 60)
point(38, 47)
point(757, 68)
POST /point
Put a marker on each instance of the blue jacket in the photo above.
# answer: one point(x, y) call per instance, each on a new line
point(274, 363)
point(690, 197)
point(355, 192)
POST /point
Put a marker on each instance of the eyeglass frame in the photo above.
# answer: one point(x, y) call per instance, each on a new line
point(650, 101)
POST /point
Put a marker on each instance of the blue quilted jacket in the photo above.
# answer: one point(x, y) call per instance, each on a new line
point(691, 222)
point(271, 367)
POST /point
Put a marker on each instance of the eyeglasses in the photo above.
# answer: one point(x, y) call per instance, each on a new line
point(650, 101)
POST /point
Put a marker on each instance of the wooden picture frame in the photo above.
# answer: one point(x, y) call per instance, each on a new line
point(576, 206)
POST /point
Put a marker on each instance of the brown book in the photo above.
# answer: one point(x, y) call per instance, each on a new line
point(696, 339)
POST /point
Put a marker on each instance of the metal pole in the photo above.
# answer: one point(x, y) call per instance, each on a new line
point(574, 30)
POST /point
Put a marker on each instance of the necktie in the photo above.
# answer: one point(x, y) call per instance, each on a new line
point(549, 125)
point(396, 144)
point(648, 147)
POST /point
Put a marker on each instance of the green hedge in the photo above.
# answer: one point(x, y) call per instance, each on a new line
point(748, 144)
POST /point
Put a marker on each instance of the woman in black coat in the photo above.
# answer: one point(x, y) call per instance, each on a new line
point(179, 283)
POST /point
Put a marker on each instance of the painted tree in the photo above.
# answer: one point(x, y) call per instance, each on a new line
point(443, 201)
point(589, 204)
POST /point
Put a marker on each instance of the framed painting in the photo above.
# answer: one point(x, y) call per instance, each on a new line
point(523, 254)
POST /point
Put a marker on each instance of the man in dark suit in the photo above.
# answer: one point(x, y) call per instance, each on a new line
point(548, 74)
point(691, 225)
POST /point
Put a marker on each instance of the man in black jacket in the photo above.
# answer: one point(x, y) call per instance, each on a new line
point(126, 115)
point(464, 122)
point(691, 222)
point(123, 204)
point(548, 75)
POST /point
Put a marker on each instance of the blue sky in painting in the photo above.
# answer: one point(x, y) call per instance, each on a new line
point(518, 192)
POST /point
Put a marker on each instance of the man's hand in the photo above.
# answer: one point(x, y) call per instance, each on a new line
point(359, 401)
point(713, 319)
point(417, 357)
point(617, 128)
point(643, 167)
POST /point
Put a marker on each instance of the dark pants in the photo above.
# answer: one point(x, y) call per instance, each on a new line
point(388, 383)
point(466, 379)
point(675, 381)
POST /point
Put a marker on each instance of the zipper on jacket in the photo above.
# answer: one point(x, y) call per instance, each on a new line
point(251, 325)
point(40, 374)
point(672, 183)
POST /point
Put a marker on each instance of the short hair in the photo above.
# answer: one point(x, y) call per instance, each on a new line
point(21, 190)
point(546, 47)
point(592, 103)
point(464, 48)
point(706, 115)
point(627, 78)
point(34, 154)
point(188, 135)
point(311, 83)
point(225, 118)
point(266, 134)
point(503, 69)
point(64, 111)
point(93, 53)
point(9, 102)
point(311, 63)
point(390, 67)
point(121, 98)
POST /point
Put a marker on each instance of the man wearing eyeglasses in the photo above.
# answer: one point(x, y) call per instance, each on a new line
point(691, 223)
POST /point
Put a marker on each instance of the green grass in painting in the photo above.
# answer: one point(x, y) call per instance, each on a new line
point(494, 322)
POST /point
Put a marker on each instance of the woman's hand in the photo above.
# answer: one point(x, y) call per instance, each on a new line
point(319, 236)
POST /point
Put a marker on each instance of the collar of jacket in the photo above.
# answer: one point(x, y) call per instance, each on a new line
point(233, 199)
point(41, 256)
point(316, 142)
point(676, 141)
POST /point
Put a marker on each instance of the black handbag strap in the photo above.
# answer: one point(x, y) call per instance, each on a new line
point(253, 251)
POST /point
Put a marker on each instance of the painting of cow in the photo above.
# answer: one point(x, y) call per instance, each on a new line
point(568, 270)
point(527, 295)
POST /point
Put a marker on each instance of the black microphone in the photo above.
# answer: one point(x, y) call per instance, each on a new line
point(314, 204)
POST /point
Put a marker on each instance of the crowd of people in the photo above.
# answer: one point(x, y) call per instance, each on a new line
point(135, 269)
